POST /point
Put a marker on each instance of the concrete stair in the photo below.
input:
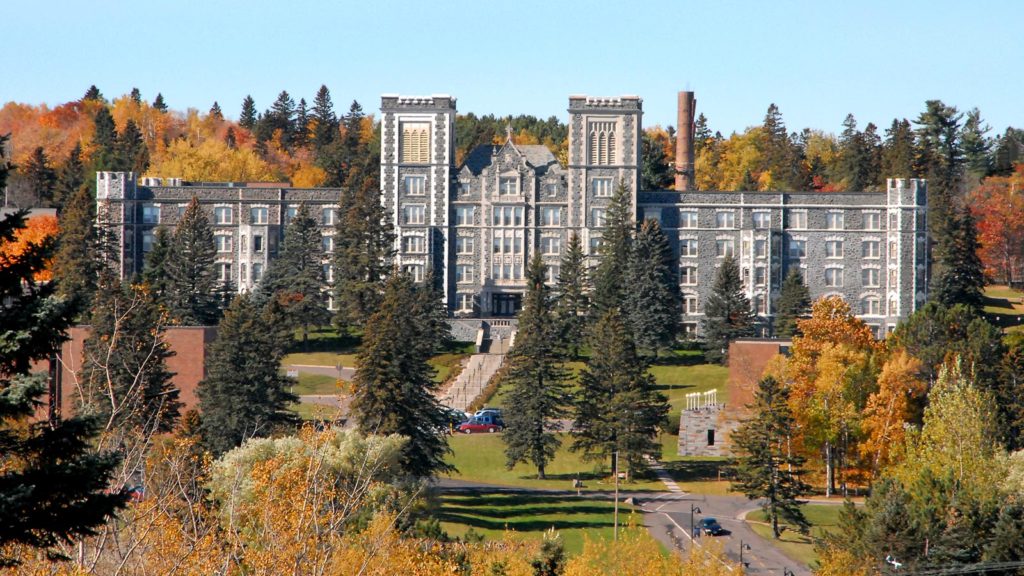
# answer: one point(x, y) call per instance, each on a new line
point(475, 375)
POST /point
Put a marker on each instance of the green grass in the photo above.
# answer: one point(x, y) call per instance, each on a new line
point(798, 546)
point(347, 360)
point(308, 411)
point(1002, 307)
point(315, 384)
point(490, 514)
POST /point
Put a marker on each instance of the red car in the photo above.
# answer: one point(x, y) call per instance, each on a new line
point(486, 423)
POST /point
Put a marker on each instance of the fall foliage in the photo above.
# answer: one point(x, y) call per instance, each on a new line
point(37, 230)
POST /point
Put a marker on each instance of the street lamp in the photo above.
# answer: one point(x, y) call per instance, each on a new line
point(693, 531)
point(615, 532)
point(742, 548)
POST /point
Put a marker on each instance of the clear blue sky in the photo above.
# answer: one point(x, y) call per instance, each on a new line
point(818, 60)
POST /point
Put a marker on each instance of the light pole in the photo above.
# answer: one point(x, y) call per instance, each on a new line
point(615, 530)
point(693, 532)
point(742, 548)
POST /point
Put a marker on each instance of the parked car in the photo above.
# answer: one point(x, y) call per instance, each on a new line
point(454, 418)
point(488, 422)
point(486, 410)
point(711, 527)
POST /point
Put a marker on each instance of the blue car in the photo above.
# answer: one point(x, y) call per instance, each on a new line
point(711, 527)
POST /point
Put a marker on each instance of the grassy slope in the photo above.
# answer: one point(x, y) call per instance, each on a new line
point(800, 547)
point(1003, 307)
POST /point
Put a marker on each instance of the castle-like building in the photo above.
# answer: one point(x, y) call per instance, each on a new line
point(478, 223)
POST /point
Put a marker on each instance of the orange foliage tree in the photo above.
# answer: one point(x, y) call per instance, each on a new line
point(998, 207)
point(37, 230)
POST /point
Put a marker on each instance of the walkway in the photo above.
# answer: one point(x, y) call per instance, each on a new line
point(474, 377)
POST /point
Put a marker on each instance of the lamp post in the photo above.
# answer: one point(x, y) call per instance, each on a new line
point(693, 532)
point(615, 530)
point(743, 547)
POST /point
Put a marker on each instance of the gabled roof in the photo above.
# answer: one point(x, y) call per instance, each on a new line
point(536, 155)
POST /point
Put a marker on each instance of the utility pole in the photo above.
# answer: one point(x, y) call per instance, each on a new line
point(615, 530)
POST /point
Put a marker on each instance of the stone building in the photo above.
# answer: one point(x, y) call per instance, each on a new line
point(477, 224)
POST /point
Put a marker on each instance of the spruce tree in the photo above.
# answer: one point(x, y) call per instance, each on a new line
point(247, 119)
point(727, 314)
point(53, 485)
point(5, 162)
point(353, 125)
point(281, 116)
point(244, 394)
point(572, 303)
point(191, 289)
point(898, 151)
point(300, 138)
point(230, 139)
point(70, 178)
point(776, 148)
point(154, 273)
point(40, 177)
point(76, 264)
point(958, 276)
point(296, 277)
point(794, 303)
point(976, 145)
point(616, 247)
point(131, 152)
point(653, 302)
point(93, 93)
point(748, 184)
point(135, 95)
point(363, 251)
point(104, 139)
point(618, 407)
point(124, 378)
point(325, 122)
point(159, 104)
point(655, 172)
point(538, 395)
point(393, 389)
point(766, 469)
point(215, 112)
point(701, 133)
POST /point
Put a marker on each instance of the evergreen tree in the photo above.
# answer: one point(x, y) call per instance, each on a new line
point(124, 381)
point(976, 145)
point(794, 304)
point(363, 251)
point(70, 178)
point(53, 485)
point(300, 138)
point(393, 386)
point(40, 177)
point(325, 122)
point(701, 133)
point(132, 154)
point(159, 104)
point(1009, 150)
point(655, 172)
point(93, 93)
point(244, 394)
point(352, 139)
point(230, 139)
point(154, 273)
point(104, 139)
point(616, 247)
point(135, 95)
point(247, 119)
point(76, 263)
point(191, 289)
point(572, 303)
point(653, 302)
point(727, 314)
point(215, 112)
point(618, 407)
point(748, 184)
point(5, 161)
point(898, 151)
point(538, 395)
point(940, 159)
point(958, 276)
point(296, 277)
point(281, 116)
point(766, 470)
point(777, 155)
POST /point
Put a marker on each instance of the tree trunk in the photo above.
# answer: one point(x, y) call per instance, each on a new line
point(540, 472)
point(829, 473)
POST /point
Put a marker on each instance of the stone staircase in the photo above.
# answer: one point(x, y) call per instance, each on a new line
point(495, 339)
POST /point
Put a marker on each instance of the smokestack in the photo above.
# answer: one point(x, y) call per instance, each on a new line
point(684, 142)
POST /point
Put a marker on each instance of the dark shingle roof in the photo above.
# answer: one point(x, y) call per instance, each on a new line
point(536, 155)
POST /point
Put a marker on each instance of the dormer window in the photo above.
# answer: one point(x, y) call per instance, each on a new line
point(508, 185)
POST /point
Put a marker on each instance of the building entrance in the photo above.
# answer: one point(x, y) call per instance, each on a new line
point(506, 304)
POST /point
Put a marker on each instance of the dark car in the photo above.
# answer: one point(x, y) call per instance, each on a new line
point(489, 423)
point(454, 418)
point(711, 527)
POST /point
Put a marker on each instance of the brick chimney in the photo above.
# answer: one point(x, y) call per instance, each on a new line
point(684, 142)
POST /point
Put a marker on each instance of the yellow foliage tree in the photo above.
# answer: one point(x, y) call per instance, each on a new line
point(308, 176)
point(635, 552)
point(888, 409)
point(211, 160)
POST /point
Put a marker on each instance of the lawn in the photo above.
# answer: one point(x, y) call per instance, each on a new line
point(822, 517)
point(1003, 307)
point(315, 384)
point(308, 411)
point(490, 514)
point(347, 360)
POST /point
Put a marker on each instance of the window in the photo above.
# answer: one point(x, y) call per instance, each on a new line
point(760, 276)
point(224, 271)
point(760, 248)
point(870, 277)
point(222, 215)
point(893, 307)
point(507, 271)
point(508, 216)
point(690, 304)
point(414, 185)
point(464, 244)
point(798, 220)
point(725, 248)
point(257, 244)
point(463, 273)
point(290, 213)
point(181, 209)
point(328, 273)
point(150, 214)
point(601, 139)
point(223, 242)
point(464, 215)
point(258, 216)
point(893, 278)
point(597, 217)
point(762, 220)
point(834, 277)
point(602, 187)
point(464, 302)
point(688, 247)
point(415, 143)
point(245, 273)
point(551, 246)
point(147, 240)
point(688, 219)
point(507, 242)
point(551, 274)
point(257, 272)
point(711, 437)
point(415, 214)
point(415, 271)
point(894, 221)
point(834, 221)
point(833, 248)
point(871, 307)
point(725, 219)
point(872, 221)
point(464, 189)
point(893, 250)
point(413, 244)
point(508, 185)
point(595, 245)
point(869, 248)
point(327, 216)
point(328, 243)
point(550, 216)
point(797, 248)
point(688, 275)
point(551, 189)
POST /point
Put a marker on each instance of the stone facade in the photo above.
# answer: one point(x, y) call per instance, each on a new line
point(704, 431)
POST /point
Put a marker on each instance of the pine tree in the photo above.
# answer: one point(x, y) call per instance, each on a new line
point(247, 119)
point(300, 138)
point(393, 386)
point(159, 104)
point(296, 277)
point(325, 129)
point(976, 145)
point(794, 304)
point(70, 178)
point(537, 396)
point(5, 161)
point(104, 139)
point(135, 95)
point(76, 263)
point(618, 407)
point(230, 139)
point(363, 251)
point(958, 276)
point(191, 289)
point(215, 112)
point(940, 159)
point(766, 468)
point(701, 133)
point(727, 314)
point(572, 304)
point(154, 273)
point(777, 156)
point(93, 93)
point(748, 184)
point(653, 302)
point(281, 116)
point(244, 394)
point(353, 125)
point(898, 151)
point(124, 379)
point(40, 177)
point(655, 172)
point(53, 485)
point(131, 151)
point(616, 247)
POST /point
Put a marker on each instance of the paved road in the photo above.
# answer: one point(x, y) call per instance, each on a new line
point(342, 372)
